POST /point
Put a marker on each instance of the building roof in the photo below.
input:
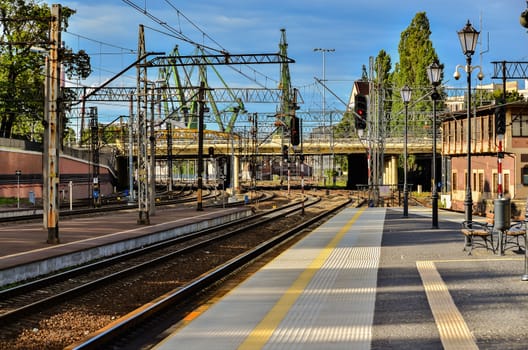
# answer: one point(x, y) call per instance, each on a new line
point(483, 110)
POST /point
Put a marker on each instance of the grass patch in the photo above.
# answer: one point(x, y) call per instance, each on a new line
point(8, 201)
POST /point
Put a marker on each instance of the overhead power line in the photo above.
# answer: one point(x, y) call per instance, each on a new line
point(165, 25)
point(194, 25)
point(178, 34)
point(131, 51)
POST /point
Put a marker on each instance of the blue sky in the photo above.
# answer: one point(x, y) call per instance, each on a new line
point(356, 29)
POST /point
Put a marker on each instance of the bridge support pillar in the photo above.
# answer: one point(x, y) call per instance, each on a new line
point(236, 175)
point(387, 175)
point(394, 170)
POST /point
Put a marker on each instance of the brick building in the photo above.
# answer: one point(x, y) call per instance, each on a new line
point(25, 158)
point(484, 157)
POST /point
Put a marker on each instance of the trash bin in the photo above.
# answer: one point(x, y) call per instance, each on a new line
point(502, 213)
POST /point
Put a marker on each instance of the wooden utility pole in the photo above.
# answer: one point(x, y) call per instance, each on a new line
point(52, 130)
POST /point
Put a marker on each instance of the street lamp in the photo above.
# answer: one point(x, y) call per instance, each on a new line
point(468, 37)
point(324, 51)
point(406, 93)
point(434, 73)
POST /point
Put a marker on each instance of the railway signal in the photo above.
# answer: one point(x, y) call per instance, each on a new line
point(295, 131)
point(500, 120)
point(360, 108)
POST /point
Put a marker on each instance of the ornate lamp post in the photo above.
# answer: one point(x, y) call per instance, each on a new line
point(406, 93)
point(523, 19)
point(434, 73)
point(468, 37)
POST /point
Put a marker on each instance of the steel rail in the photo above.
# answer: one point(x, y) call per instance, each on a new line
point(133, 319)
point(8, 317)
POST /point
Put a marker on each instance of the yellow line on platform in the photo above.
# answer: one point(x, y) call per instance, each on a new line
point(454, 332)
point(264, 330)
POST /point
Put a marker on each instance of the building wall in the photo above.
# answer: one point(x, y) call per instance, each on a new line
point(484, 179)
point(30, 165)
point(484, 159)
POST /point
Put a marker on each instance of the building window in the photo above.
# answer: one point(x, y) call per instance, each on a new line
point(506, 184)
point(461, 133)
point(454, 181)
point(491, 128)
point(449, 133)
point(525, 175)
point(495, 183)
point(480, 185)
point(520, 126)
point(478, 130)
point(455, 133)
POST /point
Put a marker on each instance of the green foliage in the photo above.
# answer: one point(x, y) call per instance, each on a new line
point(411, 161)
point(107, 134)
point(20, 77)
point(383, 78)
point(69, 136)
point(330, 173)
point(8, 201)
point(25, 24)
point(76, 64)
point(511, 96)
point(345, 127)
point(416, 53)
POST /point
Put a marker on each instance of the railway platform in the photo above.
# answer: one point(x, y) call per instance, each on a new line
point(369, 278)
point(24, 252)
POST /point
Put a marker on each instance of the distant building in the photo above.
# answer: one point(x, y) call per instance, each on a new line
point(25, 159)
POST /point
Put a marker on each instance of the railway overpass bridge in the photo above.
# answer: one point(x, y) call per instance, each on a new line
point(184, 145)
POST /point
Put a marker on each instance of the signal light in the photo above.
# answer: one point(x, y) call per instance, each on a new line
point(500, 120)
point(360, 108)
point(295, 131)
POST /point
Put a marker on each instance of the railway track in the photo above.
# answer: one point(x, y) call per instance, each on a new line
point(185, 195)
point(29, 307)
point(28, 297)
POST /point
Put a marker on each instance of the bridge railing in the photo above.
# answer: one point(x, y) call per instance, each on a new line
point(389, 195)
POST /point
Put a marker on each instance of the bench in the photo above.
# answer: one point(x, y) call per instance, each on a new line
point(473, 230)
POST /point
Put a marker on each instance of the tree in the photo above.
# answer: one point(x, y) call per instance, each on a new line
point(383, 83)
point(416, 53)
point(24, 25)
point(382, 77)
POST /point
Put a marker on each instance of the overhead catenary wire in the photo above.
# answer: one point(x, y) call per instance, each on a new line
point(178, 34)
point(195, 25)
point(128, 50)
